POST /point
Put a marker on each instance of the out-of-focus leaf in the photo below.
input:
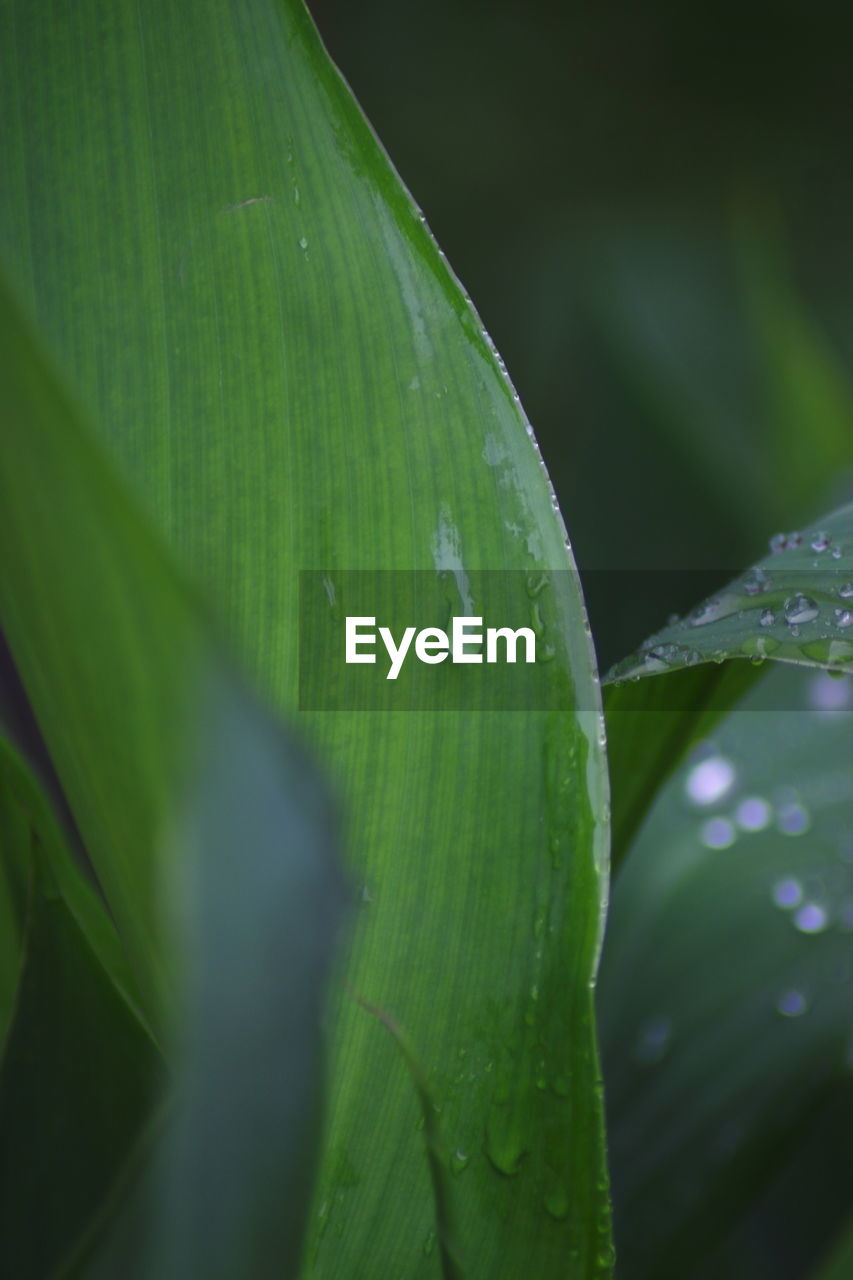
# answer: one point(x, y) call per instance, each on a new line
point(226, 889)
point(256, 899)
point(795, 606)
point(79, 1071)
point(838, 1265)
point(724, 1001)
point(808, 395)
point(651, 725)
point(286, 369)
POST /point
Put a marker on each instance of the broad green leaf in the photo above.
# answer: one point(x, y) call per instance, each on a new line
point(288, 373)
point(795, 606)
point(223, 882)
point(651, 725)
point(725, 994)
point(79, 1071)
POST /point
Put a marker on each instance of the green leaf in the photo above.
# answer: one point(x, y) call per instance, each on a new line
point(79, 1070)
point(839, 1262)
point(724, 995)
point(285, 368)
point(651, 725)
point(794, 606)
point(232, 860)
point(256, 899)
point(807, 391)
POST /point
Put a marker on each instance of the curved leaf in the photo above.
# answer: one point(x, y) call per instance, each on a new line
point(291, 377)
point(795, 606)
point(725, 998)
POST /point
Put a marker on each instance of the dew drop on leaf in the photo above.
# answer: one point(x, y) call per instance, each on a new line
point(792, 818)
point(753, 813)
point(787, 893)
point(718, 833)
point(791, 1004)
point(799, 609)
point(710, 780)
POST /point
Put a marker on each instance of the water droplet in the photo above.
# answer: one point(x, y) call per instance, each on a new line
point(661, 658)
point(753, 814)
point(756, 582)
point(536, 584)
point(828, 650)
point(811, 917)
point(429, 1244)
point(714, 609)
point(653, 1040)
point(459, 1160)
point(759, 647)
point(718, 833)
point(561, 1086)
point(710, 780)
point(785, 541)
point(556, 1202)
point(800, 609)
point(821, 541)
point(767, 618)
point(826, 692)
point(502, 1146)
point(792, 818)
point(791, 1004)
point(836, 553)
point(843, 618)
point(846, 591)
point(787, 893)
point(303, 243)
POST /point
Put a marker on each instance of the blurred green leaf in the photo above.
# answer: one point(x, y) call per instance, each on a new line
point(232, 859)
point(838, 1265)
point(794, 606)
point(256, 899)
point(79, 1070)
point(278, 356)
point(808, 394)
point(725, 992)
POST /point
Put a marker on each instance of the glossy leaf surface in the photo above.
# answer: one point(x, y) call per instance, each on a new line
point(794, 606)
point(725, 996)
point(289, 375)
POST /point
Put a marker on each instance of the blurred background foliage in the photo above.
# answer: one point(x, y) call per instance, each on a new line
point(650, 206)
